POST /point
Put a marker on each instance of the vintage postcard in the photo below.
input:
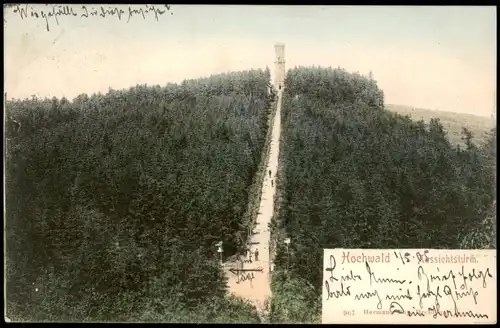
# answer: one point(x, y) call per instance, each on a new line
point(250, 164)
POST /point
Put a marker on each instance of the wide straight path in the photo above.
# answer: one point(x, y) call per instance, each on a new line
point(249, 277)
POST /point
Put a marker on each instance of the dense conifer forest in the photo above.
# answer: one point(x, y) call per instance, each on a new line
point(115, 202)
point(354, 175)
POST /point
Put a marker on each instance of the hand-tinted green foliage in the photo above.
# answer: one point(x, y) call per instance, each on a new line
point(119, 198)
point(451, 122)
point(354, 175)
point(294, 300)
point(484, 235)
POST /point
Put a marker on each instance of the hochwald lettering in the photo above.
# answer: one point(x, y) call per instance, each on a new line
point(383, 257)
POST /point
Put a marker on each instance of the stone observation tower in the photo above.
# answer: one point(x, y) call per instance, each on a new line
point(279, 78)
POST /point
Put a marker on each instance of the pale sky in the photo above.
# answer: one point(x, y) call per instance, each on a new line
point(429, 57)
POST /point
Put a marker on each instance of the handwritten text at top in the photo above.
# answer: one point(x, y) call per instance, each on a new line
point(53, 12)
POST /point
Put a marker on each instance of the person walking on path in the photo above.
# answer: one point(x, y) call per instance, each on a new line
point(269, 173)
point(272, 184)
point(256, 253)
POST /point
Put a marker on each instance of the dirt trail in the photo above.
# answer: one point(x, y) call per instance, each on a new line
point(254, 284)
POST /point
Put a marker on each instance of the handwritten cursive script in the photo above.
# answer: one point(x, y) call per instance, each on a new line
point(52, 13)
point(429, 286)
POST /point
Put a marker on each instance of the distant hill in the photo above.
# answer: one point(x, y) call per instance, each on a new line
point(452, 122)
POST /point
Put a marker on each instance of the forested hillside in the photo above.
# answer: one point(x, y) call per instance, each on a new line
point(451, 122)
point(115, 202)
point(354, 175)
